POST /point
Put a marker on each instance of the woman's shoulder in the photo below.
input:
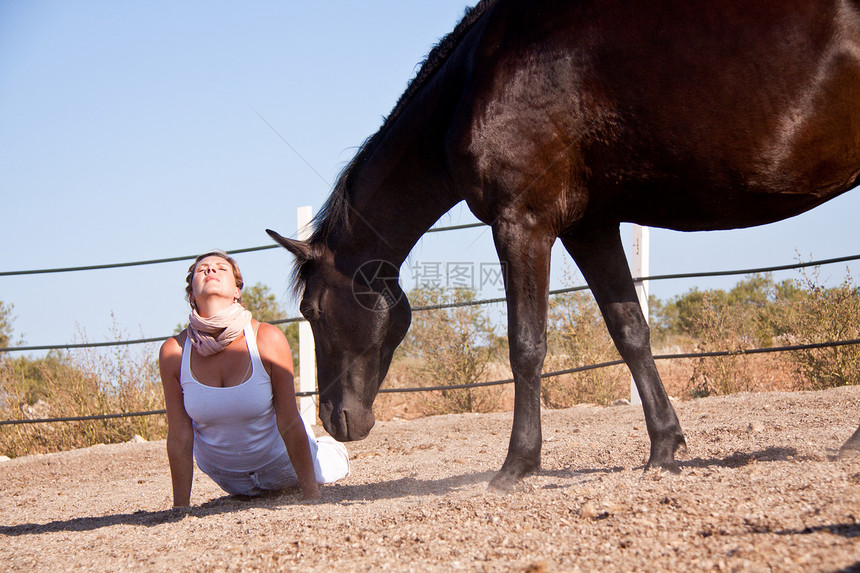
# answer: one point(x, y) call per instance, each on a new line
point(268, 331)
point(172, 347)
point(269, 336)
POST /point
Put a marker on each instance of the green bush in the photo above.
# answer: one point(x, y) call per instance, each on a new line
point(690, 314)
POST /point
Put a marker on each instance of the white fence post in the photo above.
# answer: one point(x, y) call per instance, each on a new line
point(641, 264)
point(307, 352)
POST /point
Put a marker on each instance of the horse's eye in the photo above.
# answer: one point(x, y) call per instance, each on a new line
point(309, 311)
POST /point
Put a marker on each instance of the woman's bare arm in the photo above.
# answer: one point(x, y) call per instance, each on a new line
point(276, 356)
point(180, 435)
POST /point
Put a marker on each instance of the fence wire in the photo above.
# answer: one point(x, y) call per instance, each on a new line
point(182, 258)
point(465, 303)
point(712, 354)
point(421, 309)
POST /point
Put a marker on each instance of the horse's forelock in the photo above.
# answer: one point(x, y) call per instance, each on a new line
point(298, 280)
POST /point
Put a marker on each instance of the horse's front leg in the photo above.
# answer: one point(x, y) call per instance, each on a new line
point(525, 257)
point(600, 258)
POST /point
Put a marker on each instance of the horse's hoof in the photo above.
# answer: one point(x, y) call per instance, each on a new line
point(503, 482)
point(507, 479)
point(850, 448)
point(848, 452)
point(671, 467)
point(662, 456)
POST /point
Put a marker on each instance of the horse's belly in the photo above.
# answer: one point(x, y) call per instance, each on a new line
point(729, 210)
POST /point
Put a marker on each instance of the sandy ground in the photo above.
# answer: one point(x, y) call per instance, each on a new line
point(760, 490)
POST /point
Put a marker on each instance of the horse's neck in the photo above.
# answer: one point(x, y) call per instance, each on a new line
point(396, 195)
point(400, 185)
point(387, 220)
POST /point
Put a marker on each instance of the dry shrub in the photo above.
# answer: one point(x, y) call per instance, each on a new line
point(448, 347)
point(766, 372)
point(813, 315)
point(84, 382)
point(757, 312)
point(722, 329)
point(761, 313)
point(399, 405)
point(568, 390)
point(577, 336)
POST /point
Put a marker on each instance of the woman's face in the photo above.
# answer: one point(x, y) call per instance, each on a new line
point(213, 276)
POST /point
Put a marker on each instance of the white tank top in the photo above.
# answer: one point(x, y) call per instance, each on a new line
point(234, 427)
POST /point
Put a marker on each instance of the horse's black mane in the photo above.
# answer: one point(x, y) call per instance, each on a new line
point(335, 212)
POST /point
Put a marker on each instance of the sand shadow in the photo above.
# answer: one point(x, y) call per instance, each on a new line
point(734, 460)
point(403, 487)
point(224, 504)
point(847, 530)
point(740, 459)
point(145, 518)
point(575, 475)
point(332, 494)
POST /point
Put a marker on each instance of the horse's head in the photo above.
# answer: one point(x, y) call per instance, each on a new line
point(358, 314)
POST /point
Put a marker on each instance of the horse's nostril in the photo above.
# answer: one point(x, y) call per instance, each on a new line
point(344, 424)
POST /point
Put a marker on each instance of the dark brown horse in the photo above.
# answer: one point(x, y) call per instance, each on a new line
point(562, 119)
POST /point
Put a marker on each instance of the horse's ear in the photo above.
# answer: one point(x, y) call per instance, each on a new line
point(302, 250)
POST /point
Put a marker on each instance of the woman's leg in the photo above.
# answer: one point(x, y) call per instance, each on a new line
point(236, 483)
point(331, 460)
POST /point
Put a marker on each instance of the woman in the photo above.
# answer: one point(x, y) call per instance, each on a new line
point(228, 387)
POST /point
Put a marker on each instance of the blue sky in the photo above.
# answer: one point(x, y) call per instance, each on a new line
point(141, 130)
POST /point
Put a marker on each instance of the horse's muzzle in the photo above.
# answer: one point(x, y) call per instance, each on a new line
point(347, 424)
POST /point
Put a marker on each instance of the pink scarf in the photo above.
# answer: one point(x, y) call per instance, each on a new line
point(212, 334)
